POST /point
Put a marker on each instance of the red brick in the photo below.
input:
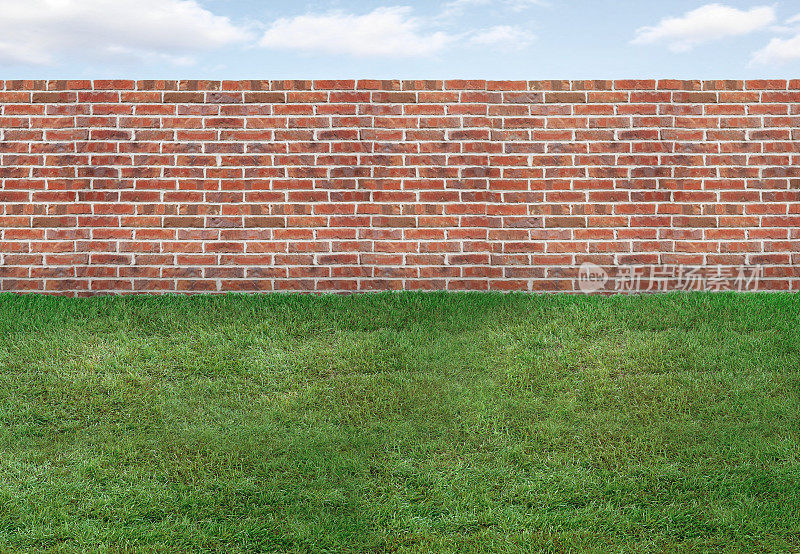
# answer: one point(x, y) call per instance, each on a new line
point(206, 186)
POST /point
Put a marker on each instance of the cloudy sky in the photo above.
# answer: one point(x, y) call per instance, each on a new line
point(493, 39)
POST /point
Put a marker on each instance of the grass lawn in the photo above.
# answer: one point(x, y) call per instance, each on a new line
point(400, 422)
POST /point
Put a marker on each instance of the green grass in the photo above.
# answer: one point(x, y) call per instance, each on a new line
point(400, 422)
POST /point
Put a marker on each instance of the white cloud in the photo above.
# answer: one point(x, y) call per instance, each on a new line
point(44, 31)
point(389, 31)
point(522, 4)
point(705, 24)
point(504, 36)
point(456, 7)
point(778, 51)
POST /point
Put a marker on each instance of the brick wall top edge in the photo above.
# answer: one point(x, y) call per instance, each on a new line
point(397, 85)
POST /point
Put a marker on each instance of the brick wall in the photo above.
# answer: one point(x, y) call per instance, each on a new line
point(161, 186)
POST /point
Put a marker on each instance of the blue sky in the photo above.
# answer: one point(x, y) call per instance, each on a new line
point(492, 39)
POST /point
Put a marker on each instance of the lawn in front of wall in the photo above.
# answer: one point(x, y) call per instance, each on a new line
point(400, 422)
